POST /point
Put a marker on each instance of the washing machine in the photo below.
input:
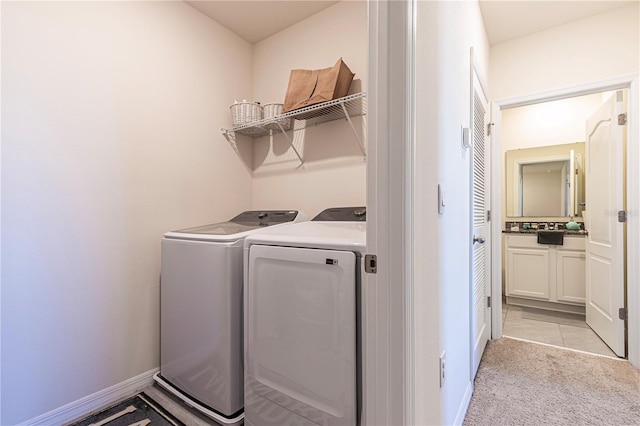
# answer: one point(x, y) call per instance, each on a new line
point(302, 299)
point(201, 316)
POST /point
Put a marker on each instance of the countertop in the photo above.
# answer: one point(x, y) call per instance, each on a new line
point(567, 233)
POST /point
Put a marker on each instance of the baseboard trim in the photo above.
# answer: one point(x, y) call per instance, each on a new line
point(464, 404)
point(91, 403)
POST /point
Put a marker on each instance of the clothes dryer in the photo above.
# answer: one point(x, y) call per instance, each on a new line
point(201, 312)
point(302, 299)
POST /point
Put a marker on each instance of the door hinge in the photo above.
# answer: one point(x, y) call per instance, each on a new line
point(371, 263)
point(489, 126)
point(623, 314)
point(622, 119)
point(622, 216)
point(488, 301)
point(488, 215)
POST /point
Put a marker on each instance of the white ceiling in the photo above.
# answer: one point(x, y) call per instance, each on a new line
point(506, 20)
point(256, 20)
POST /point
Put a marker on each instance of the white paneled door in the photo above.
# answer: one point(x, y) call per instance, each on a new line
point(481, 231)
point(605, 240)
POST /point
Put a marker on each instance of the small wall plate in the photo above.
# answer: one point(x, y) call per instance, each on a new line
point(466, 138)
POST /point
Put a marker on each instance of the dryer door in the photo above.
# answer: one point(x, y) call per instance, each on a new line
point(301, 335)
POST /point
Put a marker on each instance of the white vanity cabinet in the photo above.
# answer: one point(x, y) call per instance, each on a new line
point(543, 275)
point(527, 267)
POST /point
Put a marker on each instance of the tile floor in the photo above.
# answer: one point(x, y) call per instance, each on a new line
point(553, 328)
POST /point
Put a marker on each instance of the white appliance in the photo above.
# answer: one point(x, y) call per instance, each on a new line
point(201, 312)
point(302, 298)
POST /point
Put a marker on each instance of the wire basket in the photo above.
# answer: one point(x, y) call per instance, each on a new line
point(272, 111)
point(243, 113)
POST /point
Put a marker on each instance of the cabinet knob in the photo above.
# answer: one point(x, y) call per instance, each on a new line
point(480, 240)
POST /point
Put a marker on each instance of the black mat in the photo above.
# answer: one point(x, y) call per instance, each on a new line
point(139, 410)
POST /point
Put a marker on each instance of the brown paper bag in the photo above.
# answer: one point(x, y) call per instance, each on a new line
point(310, 87)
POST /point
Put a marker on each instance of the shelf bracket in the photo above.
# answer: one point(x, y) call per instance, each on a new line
point(355, 133)
point(232, 142)
point(234, 145)
point(286, 135)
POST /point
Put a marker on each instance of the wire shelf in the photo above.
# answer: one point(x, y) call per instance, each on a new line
point(337, 109)
point(343, 108)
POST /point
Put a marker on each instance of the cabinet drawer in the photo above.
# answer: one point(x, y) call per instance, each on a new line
point(523, 240)
point(573, 243)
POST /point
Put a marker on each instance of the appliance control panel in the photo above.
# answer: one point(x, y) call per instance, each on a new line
point(265, 217)
point(342, 214)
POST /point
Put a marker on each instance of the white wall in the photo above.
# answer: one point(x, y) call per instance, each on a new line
point(592, 49)
point(334, 173)
point(549, 123)
point(110, 115)
point(445, 33)
point(545, 124)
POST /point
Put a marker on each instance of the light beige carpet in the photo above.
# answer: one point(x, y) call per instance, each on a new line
point(523, 383)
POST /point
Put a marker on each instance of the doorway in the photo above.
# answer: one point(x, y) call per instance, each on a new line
point(542, 144)
point(502, 132)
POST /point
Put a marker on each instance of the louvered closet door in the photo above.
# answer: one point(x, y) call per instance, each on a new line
point(480, 244)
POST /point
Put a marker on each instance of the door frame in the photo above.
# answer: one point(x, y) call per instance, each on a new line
point(388, 388)
point(632, 83)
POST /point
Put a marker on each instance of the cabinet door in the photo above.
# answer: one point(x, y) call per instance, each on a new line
point(528, 273)
point(570, 276)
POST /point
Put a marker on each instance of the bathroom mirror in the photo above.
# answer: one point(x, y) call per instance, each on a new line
point(545, 181)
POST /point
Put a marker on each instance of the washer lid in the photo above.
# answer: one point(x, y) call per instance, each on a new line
point(242, 223)
point(222, 228)
point(342, 214)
